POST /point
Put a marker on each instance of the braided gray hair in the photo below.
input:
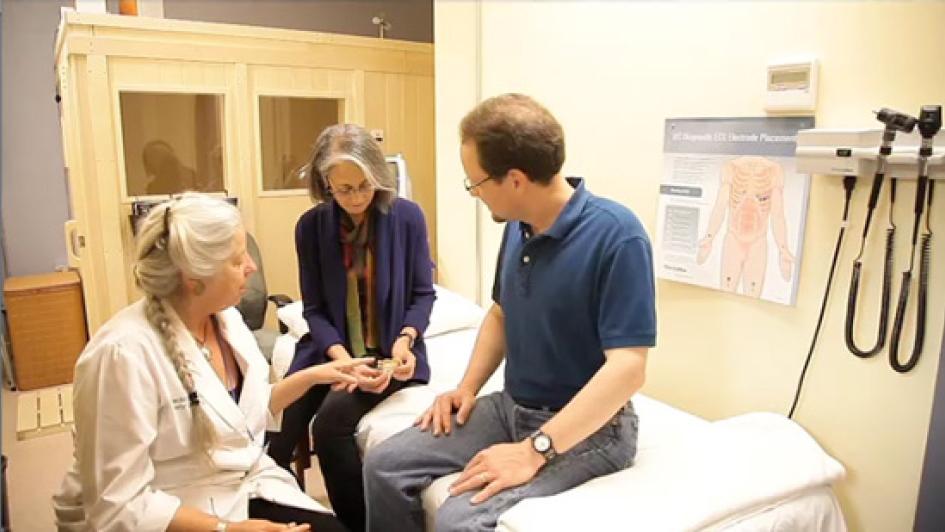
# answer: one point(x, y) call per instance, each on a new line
point(189, 236)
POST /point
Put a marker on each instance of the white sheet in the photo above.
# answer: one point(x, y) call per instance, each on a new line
point(752, 472)
point(816, 509)
point(718, 471)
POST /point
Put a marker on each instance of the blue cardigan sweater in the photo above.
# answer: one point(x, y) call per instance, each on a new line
point(403, 280)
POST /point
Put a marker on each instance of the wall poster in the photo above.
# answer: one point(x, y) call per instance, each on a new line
point(732, 206)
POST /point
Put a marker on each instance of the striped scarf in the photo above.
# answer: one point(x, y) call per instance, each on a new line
point(361, 315)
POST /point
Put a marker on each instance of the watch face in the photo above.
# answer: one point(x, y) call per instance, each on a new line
point(542, 443)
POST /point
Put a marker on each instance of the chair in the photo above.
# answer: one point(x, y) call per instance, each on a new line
point(254, 303)
point(253, 307)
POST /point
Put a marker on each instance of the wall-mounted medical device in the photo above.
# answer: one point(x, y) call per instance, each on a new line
point(906, 148)
point(842, 152)
point(791, 86)
point(398, 166)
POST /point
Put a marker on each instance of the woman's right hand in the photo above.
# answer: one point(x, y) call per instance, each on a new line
point(338, 371)
point(262, 525)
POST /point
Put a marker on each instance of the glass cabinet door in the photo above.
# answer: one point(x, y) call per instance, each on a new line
point(172, 142)
point(288, 127)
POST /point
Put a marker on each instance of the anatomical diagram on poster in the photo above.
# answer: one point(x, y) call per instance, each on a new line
point(731, 205)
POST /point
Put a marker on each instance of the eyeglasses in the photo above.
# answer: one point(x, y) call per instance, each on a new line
point(470, 185)
point(346, 192)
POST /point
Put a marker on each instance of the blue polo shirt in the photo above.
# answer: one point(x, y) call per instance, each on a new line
point(583, 286)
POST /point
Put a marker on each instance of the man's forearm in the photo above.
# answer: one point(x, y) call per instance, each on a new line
point(610, 388)
point(488, 351)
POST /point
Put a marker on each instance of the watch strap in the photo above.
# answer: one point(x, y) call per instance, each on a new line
point(550, 453)
point(410, 338)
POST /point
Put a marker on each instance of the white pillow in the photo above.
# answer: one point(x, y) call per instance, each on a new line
point(451, 312)
point(291, 316)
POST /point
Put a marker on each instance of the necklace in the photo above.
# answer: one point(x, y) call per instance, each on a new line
point(204, 350)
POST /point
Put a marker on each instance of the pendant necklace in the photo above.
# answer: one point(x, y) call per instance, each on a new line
point(204, 350)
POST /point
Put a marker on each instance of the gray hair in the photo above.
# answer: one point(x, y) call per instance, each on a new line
point(193, 236)
point(352, 143)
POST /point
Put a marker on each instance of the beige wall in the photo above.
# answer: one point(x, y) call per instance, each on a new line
point(612, 73)
point(457, 90)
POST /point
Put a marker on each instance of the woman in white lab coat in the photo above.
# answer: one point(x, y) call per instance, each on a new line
point(172, 395)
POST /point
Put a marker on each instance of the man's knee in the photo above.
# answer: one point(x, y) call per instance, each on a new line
point(458, 514)
point(396, 454)
point(383, 458)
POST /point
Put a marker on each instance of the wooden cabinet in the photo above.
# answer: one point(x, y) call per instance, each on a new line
point(47, 327)
point(225, 109)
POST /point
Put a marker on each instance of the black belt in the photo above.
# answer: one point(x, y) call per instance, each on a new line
point(543, 408)
point(555, 410)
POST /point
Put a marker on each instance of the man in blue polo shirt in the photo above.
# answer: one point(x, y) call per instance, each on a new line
point(573, 315)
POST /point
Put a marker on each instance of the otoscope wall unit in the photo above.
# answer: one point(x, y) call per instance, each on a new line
point(842, 152)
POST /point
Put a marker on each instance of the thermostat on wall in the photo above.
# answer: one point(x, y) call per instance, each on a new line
point(792, 86)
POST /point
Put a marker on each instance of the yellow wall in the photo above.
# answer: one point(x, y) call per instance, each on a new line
point(457, 90)
point(613, 72)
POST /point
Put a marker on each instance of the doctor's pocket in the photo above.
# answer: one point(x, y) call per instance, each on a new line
point(173, 430)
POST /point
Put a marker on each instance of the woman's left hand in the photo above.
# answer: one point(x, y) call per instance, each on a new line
point(377, 384)
point(408, 361)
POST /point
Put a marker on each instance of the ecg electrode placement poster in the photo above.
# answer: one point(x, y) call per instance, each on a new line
point(732, 206)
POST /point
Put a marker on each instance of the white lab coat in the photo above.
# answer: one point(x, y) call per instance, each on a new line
point(135, 463)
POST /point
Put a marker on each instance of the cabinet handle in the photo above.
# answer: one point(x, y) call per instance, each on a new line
point(73, 242)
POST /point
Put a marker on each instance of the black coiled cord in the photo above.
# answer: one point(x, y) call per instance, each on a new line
point(925, 261)
point(887, 285)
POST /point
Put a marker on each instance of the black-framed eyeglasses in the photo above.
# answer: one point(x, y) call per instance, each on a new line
point(470, 185)
point(365, 188)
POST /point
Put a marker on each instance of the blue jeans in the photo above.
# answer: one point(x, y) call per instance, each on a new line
point(397, 470)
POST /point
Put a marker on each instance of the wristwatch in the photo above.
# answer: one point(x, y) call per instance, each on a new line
point(221, 526)
point(543, 445)
point(410, 339)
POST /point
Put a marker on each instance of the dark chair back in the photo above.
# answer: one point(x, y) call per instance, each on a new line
point(254, 303)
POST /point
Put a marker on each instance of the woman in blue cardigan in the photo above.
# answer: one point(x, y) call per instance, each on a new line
point(366, 277)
